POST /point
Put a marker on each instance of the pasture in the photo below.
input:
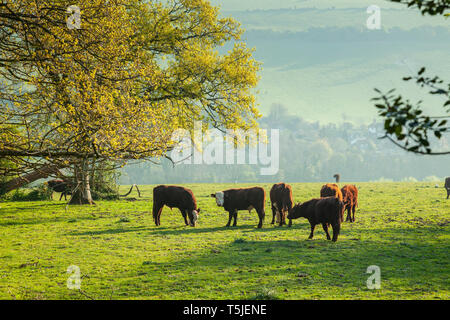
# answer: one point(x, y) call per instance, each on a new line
point(401, 227)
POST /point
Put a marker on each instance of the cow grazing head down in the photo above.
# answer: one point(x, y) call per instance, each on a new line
point(295, 212)
point(193, 217)
point(220, 198)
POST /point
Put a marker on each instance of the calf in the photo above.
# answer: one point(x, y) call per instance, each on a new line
point(234, 200)
point(447, 186)
point(281, 199)
point(326, 211)
point(175, 197)
point(350, 195)
point(331, 190)
point(57, 185)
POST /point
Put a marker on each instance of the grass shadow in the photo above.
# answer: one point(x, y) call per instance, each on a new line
point(407, 266)
point(109, 231)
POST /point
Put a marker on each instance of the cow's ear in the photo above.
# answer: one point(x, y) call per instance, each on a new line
point(213, 195)
point(198, 210)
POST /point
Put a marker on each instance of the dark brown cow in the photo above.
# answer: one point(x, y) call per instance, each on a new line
point(281, 199)
point(234, 200)
point(350, 196)
point(62, 186)
point(447, 186)
point(331, 190)
point(325, 211)
point(175, 197)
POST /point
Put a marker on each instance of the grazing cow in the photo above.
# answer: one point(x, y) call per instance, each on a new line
point(175, 197)
point(447, 186)
point(234, 200)
point(57, 185)
point(331, 190)
point(325, 211)
point(281, 199)
point(350, 194)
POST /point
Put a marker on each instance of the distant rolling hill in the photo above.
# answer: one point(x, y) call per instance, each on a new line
point(321, 61)
point(329, 74)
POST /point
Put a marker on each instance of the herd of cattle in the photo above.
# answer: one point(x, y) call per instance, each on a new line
point(327, 210)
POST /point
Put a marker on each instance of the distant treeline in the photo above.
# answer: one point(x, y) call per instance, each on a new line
point(309, 152)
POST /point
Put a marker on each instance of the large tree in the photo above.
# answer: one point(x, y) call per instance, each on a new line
point(115, 86)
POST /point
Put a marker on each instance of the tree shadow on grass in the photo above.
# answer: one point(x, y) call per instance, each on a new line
point(15, 209)
point(110, 231)
point(35, 221)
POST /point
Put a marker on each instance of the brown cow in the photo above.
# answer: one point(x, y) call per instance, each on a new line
point(331, 190)
point(281, 199)
point(447, 186)
point(175, 197)
point(325, 211)
point(234, 200)
point(350, 194)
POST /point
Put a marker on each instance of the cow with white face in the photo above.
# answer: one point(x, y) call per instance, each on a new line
point(219, 198)
point(234, 200)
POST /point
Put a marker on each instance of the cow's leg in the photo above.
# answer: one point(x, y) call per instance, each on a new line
point(274, 213)
point(261, 215)
point(282, 217)
point(290, 223)
point(281, 213)
point(65, 196)
point(159, 215)
point(325, 228)
point(311, 235)
point(157, 209)
point(62, 193)
point(336, 229)
point(230, 216)
point(353, 212)
point(349, 217)
point(235, 218)
point(184, 214)
point(448, 193)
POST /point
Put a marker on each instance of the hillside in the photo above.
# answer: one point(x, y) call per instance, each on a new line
point(322, 63)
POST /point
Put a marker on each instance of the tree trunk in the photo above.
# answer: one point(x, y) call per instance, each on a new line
point(19, 182)
point(82, 193)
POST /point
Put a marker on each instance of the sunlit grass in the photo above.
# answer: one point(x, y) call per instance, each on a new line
point(401, 227)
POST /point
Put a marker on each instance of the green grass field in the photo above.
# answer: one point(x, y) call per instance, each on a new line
point(401, 227)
